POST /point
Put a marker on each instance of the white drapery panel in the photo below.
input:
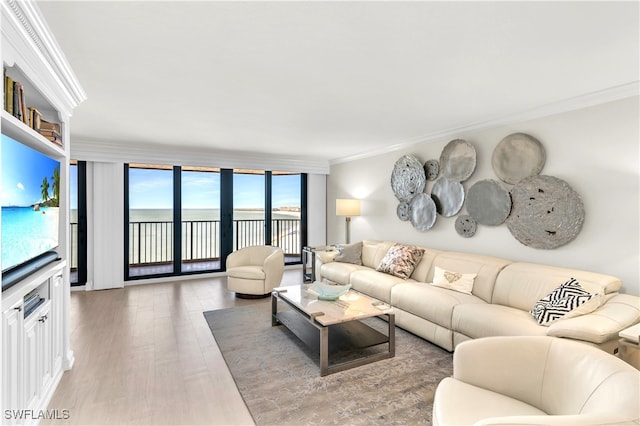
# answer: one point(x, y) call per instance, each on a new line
point(105, 214)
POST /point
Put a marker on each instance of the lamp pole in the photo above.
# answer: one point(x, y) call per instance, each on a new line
point(346, 228)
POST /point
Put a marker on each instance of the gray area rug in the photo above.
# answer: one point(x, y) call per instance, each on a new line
point(279, 377)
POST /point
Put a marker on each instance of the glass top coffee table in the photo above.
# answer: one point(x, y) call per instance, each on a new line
point(334, 328)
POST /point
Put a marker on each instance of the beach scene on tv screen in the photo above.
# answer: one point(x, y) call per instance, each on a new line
point(30, 203)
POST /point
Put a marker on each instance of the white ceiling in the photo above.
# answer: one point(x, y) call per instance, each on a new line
point(329, 80)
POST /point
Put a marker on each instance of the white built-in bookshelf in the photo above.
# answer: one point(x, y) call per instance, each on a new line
point(35, 309)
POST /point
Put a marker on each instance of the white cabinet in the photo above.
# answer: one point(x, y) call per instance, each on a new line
point(12, 332)
point(37, 356)
point(29, 367)
point(32, 344)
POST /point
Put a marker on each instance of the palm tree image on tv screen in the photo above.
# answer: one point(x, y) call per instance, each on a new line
point(30, 203)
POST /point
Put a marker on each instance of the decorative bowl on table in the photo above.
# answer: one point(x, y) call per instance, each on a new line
point(326, 291)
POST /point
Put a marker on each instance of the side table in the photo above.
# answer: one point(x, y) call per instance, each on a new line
point(629, 345)
point(309, 261)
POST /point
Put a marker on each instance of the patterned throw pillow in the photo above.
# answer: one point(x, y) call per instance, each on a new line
point(350, 253)
point(453, 280)
point(400, 260)
point(563, 302)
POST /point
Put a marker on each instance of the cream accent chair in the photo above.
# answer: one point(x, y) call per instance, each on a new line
point(536, 380)
point(254, 271)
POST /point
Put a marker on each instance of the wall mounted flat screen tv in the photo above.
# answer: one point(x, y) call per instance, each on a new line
point(30, 209)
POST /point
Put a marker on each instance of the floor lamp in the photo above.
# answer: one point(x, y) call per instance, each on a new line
point(348, 208)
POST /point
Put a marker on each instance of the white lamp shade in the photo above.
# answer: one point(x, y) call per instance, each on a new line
point(347, 207)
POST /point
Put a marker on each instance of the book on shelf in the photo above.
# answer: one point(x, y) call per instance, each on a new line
point(35, 118)
point(8, 94)
point(46, 125)
point(17, 106)
point(51, 131)
point(49, 126)
point(22, 106)
point(49, 134)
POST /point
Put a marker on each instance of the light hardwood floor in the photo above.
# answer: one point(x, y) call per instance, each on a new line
point(144, 355)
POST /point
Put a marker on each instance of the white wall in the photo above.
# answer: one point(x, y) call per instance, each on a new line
point(594, 149)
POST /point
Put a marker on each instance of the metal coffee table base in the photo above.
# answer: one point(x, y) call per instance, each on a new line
point(337, 338)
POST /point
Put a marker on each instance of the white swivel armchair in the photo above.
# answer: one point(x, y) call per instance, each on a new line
point(254, 271)
point(536, 381)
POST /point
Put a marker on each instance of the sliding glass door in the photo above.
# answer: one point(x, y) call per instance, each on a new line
point(150, 220)
point(184, 220)
point(286, 209)
point(78, 222)
point(248, 208)
point(200, 200)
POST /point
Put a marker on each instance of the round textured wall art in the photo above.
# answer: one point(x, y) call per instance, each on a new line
point(458, 160)
point(488, 202)
point(432, 169)
point(448, 196)
point(422, 212)
point(466, 226)
point(546, 212)
point(403, 211)
point(518, 156)
point(407, 178)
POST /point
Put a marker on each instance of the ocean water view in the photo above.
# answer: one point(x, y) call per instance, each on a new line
point(161, 215)
point(27, 233)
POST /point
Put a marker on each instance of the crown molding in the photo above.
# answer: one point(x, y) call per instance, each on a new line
point(32, 44)
point(579, 102)
point(129, 152)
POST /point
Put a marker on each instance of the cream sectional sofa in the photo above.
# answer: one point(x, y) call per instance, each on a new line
point(536, 380)
point(503, 294)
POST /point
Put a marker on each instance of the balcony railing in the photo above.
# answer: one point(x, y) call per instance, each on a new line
point(151, 243)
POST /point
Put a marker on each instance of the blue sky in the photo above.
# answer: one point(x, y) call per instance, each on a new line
point(73, 182)
point(23, 170)
point(152, 189)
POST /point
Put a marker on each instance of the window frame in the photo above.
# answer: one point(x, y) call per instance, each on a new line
point(226, 220)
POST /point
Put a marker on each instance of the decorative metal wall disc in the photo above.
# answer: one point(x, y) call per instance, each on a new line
point(407, 178)
point(458, 160)
point(488, 203)
point(448, 196)
point(546, 213)
point(466, 226)
point(518, 156)
point(403, 211)
point(432, 169)
point(422, 212)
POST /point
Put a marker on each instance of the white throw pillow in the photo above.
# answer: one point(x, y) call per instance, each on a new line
point(453, 280)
